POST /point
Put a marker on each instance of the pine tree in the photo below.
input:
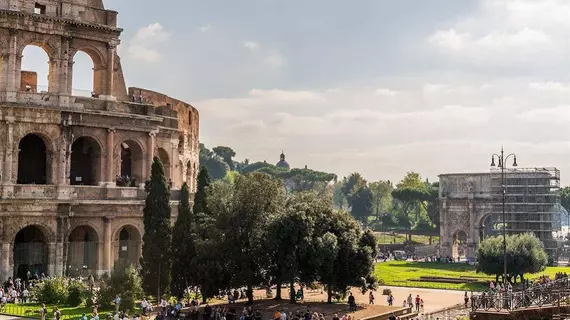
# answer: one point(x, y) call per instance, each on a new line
point(156, 257)
point(183, 246)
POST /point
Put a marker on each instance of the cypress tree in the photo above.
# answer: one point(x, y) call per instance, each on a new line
point(183, 246)
point(204, 181)
point(156, 257)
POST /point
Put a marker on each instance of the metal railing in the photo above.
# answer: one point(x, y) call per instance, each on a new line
point(552, 293)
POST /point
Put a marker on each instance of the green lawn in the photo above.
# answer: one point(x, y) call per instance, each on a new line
point(388, 237)
point(399, 273)
point(31, 310)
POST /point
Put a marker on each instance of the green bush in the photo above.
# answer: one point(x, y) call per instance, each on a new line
point(77, 292)
point(124, 282)
point(51, 291)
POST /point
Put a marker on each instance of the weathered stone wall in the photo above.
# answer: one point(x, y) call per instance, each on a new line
point(109, 121)
point(465, 200)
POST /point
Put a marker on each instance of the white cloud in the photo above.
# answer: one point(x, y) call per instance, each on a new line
point(266, 55)
point(550, 86)
point(251, 45)
point(385, 92)
point(205, 28)
point(144, 45)
point(346, 129)
point(509, 32)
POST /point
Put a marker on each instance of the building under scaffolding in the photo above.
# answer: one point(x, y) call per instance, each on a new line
point(531, 200)
point(471, 207)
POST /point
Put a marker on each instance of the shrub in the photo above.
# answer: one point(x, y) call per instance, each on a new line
point(124, 282)
point(77, 292)
point(51, 291)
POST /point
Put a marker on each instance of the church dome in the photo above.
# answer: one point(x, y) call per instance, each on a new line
point(282, 163)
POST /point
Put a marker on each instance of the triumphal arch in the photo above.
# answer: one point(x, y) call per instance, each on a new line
point(73, 167)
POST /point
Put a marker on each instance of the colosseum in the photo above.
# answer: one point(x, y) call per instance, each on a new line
point(73, 167)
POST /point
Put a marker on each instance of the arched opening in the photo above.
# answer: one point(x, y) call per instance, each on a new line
point(88, 74)
point(131, 164)
point(83, 251)
point(36, 70)
point(129, 242)
point(85, 162)
point(32, 160)
point(163, 156)
point(30, 252)
point(489, 227)
point(459, 244)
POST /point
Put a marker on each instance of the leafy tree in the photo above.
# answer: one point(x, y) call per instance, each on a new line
point(156, 254)
point(352, 183)
point(217, 167)
point(227, 154)
point(183, 247)
point(255, 166)
point(411, 180)
point(339, 199)
point(346, 254)
point(382, 194)
point(410, 202)
point(210, 268)
point(243, 213)
point(287, 237)
point(525, 254)
point(124, 282)
point(362, 203)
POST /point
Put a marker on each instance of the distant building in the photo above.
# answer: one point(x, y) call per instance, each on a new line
point(471, 207)
point(282, 163)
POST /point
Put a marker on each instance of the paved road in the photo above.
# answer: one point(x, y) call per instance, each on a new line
point(3, 317)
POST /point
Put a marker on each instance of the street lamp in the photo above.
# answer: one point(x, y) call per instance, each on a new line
point(501, 159)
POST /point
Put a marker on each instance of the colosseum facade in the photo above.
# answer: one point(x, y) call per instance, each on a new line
point(73, 167)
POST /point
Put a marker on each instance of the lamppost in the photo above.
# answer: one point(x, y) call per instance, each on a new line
point(501, 159)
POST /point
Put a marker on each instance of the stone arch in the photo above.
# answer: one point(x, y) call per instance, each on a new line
point(26, 81)
point(99, 69)
point(35, 159)
point(486, 226)
point(127, 240)
point(86, 161)
point(30, 250)
point(129, 154)
point(165, 159)
point(460, 238)
point(83, 256)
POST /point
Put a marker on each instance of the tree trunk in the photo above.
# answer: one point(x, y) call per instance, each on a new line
point(496, 279)
point(278, 290)
point(249, 294)
point(329, 294)
point(292, 299)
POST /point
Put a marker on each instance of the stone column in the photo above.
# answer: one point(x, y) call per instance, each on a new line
point(110, 69)
point(9, 67)
point(64, 160)
point(174, 163)
point(107, 248)
point(150, 152)
point(5, 261)
point(52, 258)
point(65, 72)
point(110, 155)
point(8, 160)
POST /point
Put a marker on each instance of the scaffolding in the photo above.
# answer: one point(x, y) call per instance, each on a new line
point(531, 198)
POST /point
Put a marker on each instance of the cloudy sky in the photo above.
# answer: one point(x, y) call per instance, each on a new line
point(375, 86)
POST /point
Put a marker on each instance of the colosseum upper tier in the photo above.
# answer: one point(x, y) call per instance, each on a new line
point(73, 167)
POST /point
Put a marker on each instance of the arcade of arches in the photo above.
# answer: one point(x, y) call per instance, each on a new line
point(85, 252)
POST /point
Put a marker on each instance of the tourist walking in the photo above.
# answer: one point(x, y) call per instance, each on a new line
point(370, 298)
point(418, 300)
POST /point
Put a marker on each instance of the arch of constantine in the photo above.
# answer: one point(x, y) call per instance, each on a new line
point(72, 168)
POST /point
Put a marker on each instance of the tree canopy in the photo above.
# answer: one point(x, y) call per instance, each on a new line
point(525, 254)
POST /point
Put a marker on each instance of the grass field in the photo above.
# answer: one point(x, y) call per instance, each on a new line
point(400, 273)
point(32, 310)
point(388, 237)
